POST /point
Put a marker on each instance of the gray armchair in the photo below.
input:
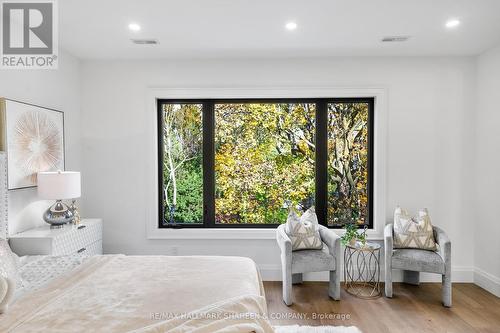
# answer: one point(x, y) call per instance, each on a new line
point(414, 261)
point(294, 264)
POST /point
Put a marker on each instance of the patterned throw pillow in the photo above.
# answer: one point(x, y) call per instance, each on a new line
point(303, 231)
point(413, 232)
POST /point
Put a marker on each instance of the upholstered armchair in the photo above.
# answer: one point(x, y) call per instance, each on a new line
point(294, 264)
point(414, 261)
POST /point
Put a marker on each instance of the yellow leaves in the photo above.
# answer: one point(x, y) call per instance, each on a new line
point(256, 169)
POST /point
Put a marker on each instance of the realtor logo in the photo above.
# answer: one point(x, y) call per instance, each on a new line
point(29, 35)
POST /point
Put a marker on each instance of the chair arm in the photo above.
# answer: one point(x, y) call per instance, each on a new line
point(283, 240)
point(331, 239)
point(388, 242)
point(444, 244)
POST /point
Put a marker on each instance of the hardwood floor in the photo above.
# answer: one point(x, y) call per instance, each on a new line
point(412, 309)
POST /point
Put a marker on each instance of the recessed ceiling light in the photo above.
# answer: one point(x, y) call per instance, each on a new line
point(291, 26)
point(134, 27)
point(453, 23)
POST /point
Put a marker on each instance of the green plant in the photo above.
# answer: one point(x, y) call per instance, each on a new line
point(351, 232)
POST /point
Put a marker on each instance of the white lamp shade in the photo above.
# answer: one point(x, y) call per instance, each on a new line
point(59, 185)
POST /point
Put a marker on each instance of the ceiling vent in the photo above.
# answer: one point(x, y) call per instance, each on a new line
point(399, 39)
point(145, 41)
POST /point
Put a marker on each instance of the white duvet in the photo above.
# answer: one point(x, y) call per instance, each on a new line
point(242, 314)
point(146, 294)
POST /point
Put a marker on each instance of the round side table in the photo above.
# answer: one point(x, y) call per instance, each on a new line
point(362, 270)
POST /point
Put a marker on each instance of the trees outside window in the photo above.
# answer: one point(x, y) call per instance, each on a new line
point(348, 166)
point(182, 163)
point(264, 161)
point(245, 163)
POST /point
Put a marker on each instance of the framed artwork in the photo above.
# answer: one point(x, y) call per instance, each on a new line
point(33, 138)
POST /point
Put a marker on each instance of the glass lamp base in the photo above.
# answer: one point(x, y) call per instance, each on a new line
point(58, 214)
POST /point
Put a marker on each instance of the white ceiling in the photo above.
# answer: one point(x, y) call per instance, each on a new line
point(255, 28)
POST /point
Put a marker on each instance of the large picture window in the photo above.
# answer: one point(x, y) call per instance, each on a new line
point(245, 163)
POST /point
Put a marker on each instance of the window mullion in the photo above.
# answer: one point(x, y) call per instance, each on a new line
point(208, 164)
point(321, 161)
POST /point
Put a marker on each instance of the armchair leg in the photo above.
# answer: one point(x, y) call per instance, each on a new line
point(287, 288)
point(388, 282)
point(296, 278)
point(411, 277)
point(334, 285)
point(446, 290)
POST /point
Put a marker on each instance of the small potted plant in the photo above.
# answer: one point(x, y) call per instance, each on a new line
point(350, 235)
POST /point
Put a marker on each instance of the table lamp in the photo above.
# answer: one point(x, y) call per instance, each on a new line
point(58, 185)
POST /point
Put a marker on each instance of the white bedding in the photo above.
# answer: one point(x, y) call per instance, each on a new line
point(123, 293)
point(242, 314)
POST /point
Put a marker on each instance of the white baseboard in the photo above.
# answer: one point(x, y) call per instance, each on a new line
point(458, 274)
point(462, 274)
point(487, 281)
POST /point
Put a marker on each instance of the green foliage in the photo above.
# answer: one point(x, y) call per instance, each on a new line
point(351, 232)
point(189, 207)
point(182, 163)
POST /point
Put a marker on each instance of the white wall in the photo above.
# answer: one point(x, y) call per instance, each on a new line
point(487, 165)
point(430, 115)
point(58, 89)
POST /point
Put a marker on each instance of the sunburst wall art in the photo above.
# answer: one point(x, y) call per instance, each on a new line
point(33, 137)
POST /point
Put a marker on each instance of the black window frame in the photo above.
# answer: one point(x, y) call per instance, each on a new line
point(321, 157)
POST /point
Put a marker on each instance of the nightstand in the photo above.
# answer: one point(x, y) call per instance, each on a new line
point(84, 239)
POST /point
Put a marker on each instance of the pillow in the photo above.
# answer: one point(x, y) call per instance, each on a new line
point(303, 231)
point(9, 263)
point(413, 232)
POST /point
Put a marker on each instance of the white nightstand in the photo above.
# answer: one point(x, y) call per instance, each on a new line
point(84, 239)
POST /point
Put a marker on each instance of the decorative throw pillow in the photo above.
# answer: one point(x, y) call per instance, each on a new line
point(9, 263)
point(303, 231)
point(413, 232)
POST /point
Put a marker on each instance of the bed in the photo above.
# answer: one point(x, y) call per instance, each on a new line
point(118, 293)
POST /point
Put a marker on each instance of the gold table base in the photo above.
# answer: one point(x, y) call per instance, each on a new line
point(362, 270)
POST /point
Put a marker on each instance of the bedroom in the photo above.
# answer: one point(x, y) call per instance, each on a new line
point(427, 140)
